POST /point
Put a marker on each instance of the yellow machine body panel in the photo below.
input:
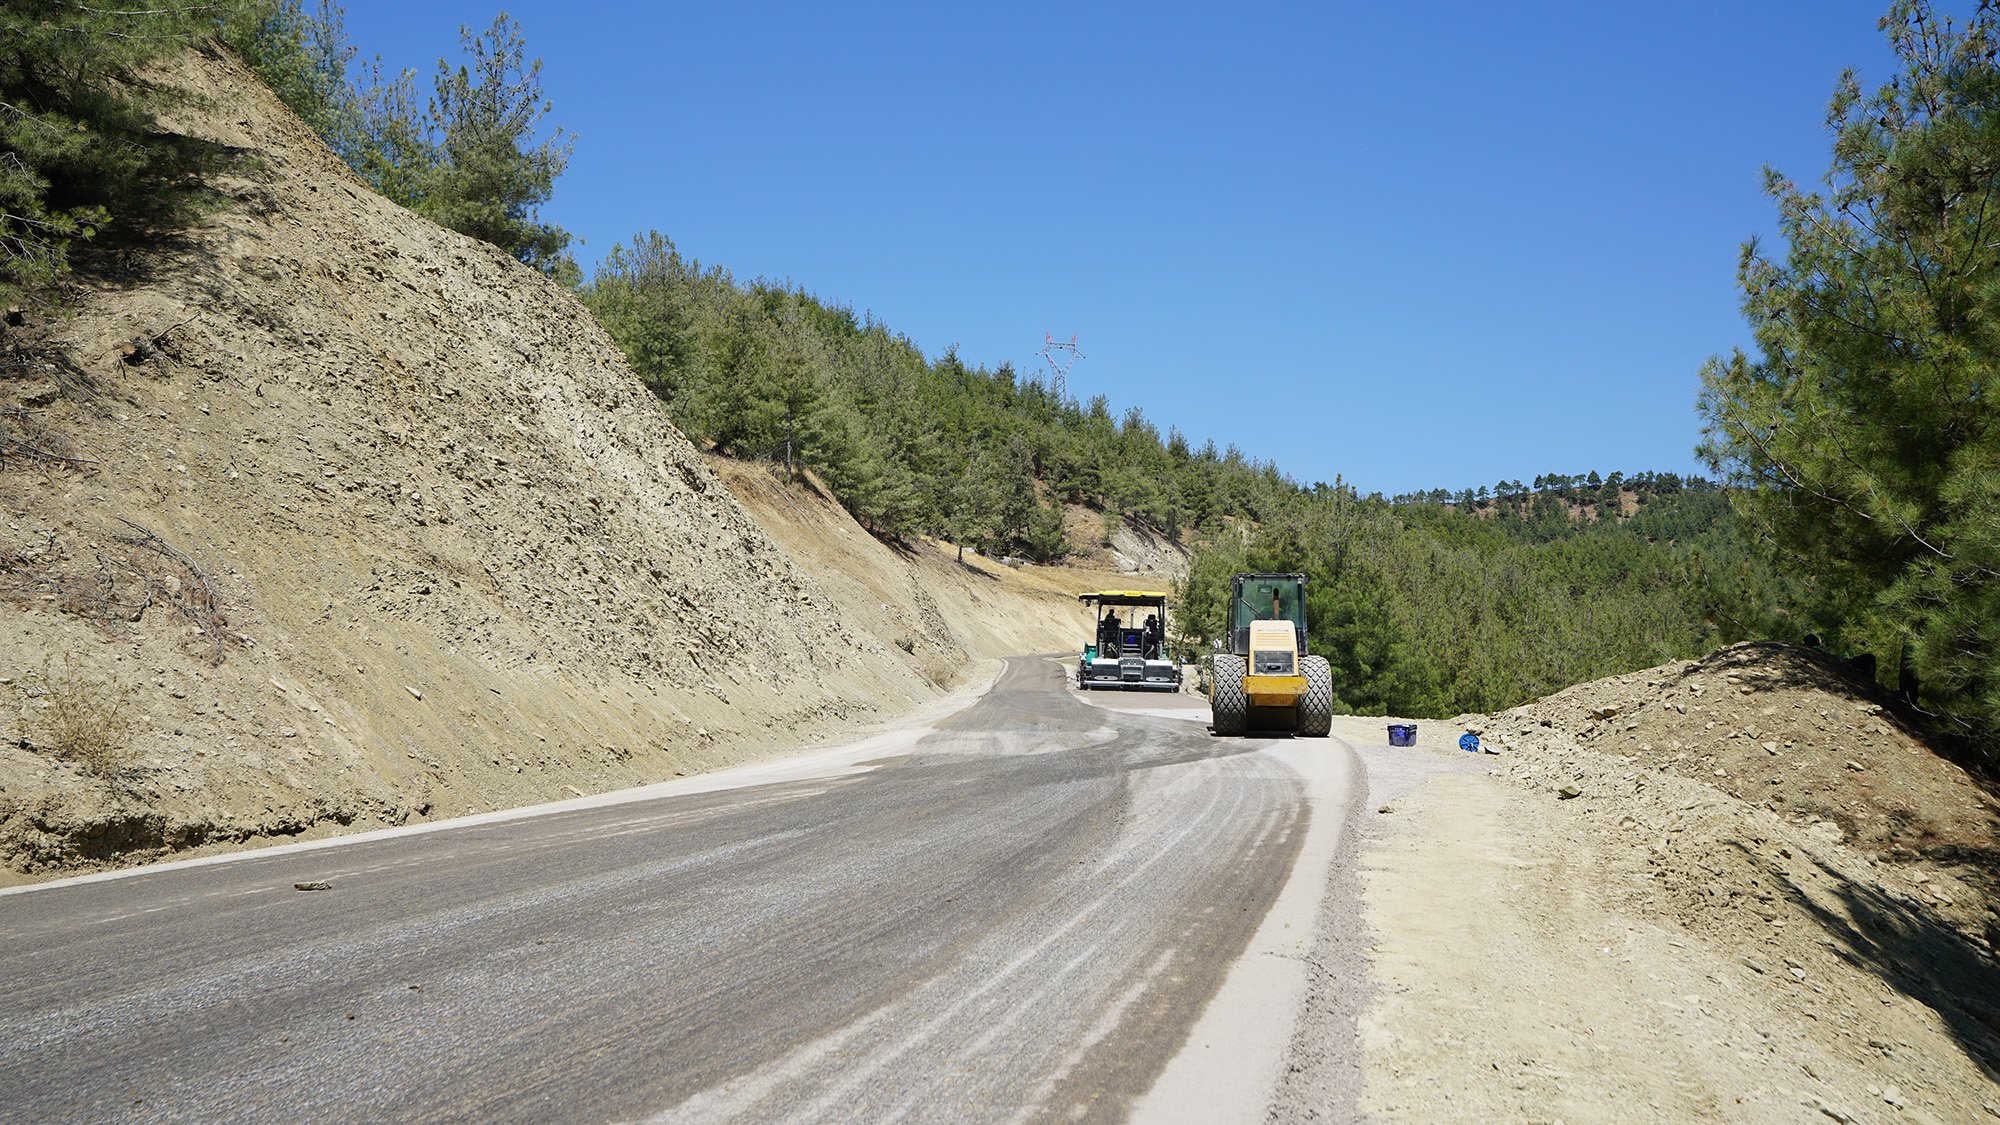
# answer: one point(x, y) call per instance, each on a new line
point(1273, 678)
point(1273, 691)
point(1273, 636)
point(1125, 597)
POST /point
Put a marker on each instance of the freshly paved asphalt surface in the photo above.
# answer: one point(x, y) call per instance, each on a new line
point(1017, 919)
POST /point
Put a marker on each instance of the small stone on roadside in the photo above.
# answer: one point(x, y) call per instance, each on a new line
point(1569, 792)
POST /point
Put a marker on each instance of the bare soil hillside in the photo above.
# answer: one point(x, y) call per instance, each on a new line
point(356, 520)
point(917, 595)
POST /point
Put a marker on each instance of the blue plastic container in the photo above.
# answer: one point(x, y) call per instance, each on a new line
point(1402, 734)
point(1469, 743)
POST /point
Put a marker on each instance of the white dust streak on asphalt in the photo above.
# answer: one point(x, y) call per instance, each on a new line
point(734, 1100)
point(1103, 1027)
point(1230, 1066)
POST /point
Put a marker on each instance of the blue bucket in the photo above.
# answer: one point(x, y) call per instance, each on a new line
point(1469, 743)
point(1402, 734)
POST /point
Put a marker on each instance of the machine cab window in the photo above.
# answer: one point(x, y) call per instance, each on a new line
point(1270, 599)
point(1266, 597)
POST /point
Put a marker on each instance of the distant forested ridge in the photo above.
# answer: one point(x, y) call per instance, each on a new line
point(978, 456)
point(1430, 603)
point(1448, 602)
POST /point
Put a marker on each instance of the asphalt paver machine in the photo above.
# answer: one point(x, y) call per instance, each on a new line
point(1129, 647)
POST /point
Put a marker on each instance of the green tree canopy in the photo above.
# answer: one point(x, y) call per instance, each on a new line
point(80, 153)
point(489, 177)
point(1424, 609)
point(980, 456)
point(1865, 438)
point(469, 159)
point(301, 54)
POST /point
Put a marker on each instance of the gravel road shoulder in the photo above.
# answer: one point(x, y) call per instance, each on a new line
point(1649, 948)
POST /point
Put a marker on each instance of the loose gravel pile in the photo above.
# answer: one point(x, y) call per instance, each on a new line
point(1771, 729)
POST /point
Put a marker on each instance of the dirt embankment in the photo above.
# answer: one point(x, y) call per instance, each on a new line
point(1735, 889)
point(373, 523)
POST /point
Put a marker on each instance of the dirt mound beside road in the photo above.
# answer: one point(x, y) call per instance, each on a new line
point(1674, 897)
point(1792, 731)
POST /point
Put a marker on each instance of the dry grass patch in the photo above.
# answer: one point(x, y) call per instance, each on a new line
point(79, 716)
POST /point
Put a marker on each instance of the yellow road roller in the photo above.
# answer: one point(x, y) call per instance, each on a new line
point(1266, 681)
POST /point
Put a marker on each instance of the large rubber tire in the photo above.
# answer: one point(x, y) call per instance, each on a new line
point(1228, 710)
point(1316, 709)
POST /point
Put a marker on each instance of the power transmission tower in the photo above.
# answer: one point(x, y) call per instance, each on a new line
point(1059, 367)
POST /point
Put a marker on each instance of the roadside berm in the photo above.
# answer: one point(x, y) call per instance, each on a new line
point(1736, 889)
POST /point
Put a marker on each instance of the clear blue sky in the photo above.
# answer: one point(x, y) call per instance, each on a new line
point(1416, 246)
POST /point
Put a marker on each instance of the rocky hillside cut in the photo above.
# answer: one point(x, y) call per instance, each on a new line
point(356, 520)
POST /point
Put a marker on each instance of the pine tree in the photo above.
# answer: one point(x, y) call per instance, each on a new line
point(1865, 440)
point(738, 412)
point(302, 56)
point(468, 160)
point(975, 499)
point(798, 401)
point(1047, 537)
point(491, 177)
point(385, 139)
point(80, 153)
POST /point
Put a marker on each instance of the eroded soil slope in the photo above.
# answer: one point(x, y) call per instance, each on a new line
point(372, 523)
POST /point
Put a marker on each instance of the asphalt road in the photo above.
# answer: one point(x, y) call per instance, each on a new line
point(1018, 915)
